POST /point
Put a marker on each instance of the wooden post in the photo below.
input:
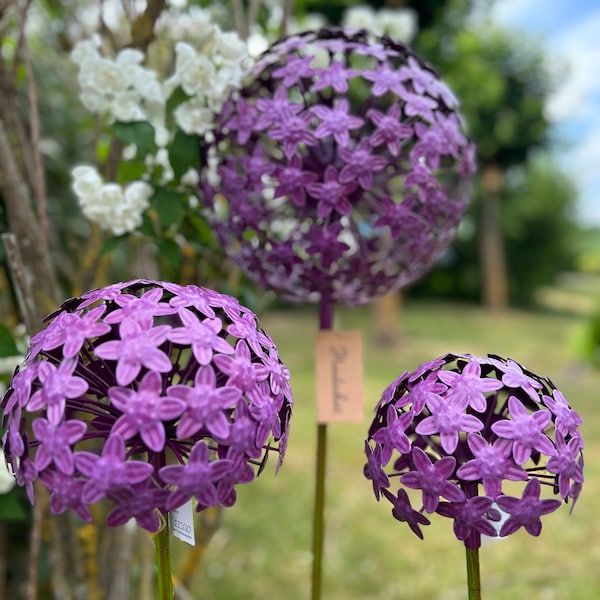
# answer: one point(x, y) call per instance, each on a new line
point(494, 278)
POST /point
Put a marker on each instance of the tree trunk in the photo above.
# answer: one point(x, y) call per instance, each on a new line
point(388, 310)
point(494, 279)
point(24, 224)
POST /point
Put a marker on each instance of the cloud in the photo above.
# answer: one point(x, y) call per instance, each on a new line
point(571, 37)
point(514, 11)
point(577, 48)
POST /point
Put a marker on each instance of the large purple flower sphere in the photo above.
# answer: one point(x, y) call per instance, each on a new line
point(340, 171)
point(147, 394)
point(464, 433)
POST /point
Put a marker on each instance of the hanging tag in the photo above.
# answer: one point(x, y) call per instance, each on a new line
point(339, 372)
point(182, 523)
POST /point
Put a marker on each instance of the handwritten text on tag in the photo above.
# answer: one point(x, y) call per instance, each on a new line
point(339, 372)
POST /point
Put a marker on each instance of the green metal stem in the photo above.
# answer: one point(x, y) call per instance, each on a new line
point(318, 516)
point(162, 556)
point(473, 577)
point(325, 323)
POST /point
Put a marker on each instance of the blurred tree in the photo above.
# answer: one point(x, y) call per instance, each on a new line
point(539, 215)
point(540, 236)
point(502, 84)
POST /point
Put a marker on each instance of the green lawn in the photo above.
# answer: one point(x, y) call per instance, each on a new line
point(262, 550)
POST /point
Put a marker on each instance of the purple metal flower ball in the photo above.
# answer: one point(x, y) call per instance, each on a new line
point(340, 171)
point(462, 423)
point(147, 394)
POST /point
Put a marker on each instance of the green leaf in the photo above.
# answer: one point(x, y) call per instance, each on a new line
point(140, 133)
point(184, 153)
point(131, 170)
point(7, 342)
point(170, 252)
point(169, 206)
point(175, 99)
point(203, 233)
point(110, 244)
point(11, 509)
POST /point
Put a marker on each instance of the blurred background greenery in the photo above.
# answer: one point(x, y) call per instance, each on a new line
point(522, 280)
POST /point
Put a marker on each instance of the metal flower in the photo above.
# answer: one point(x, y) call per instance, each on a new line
point(340, 171)
point(457, 429)
point(146, 394)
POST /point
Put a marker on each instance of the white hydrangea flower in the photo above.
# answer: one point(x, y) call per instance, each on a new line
point(129, 152)
point(86, 181)
point(107, 75)
point(363, 16)
point(162, 159)
point(8, 363)
point(257, 43)
point(212, 172)
point(129, 58)
point(190, 178)
point(206, 62)
point(309, 22)
point(121, 88)
point(194, 25)
point(228, 78)
point(7, 479)
point(197, 77)
point(103, 205)
point(109, 205)
point(85, 50)
point(137, 195)
point(231, 47)
point(162, 135)
point(147, 85)
point(115, 18)
point(184, 56)
point(400, 24)
point(194, 117)
point(125, 107)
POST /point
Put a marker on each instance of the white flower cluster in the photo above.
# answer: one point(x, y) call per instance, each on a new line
point(7, 366)
point(121, 87)
point(190, 53)
point(207, 69)
point(113, 207)
point(7, 479)
point(399, 23)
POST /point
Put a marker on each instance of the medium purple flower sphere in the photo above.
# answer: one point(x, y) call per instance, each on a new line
point(146, 394)
point(340, 171)
point(462, 425)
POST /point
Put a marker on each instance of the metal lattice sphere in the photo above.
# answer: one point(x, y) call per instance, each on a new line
point(146, 394)
point(340, 171)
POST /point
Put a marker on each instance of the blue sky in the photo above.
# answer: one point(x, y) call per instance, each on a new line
point(570, 33)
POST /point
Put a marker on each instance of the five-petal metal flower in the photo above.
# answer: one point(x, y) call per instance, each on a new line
point(146, 394)
point(459, 427)
point(351, 175)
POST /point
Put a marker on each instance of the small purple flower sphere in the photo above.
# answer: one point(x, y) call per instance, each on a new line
point(340, 171)
point(146, 394)
point(461, 423)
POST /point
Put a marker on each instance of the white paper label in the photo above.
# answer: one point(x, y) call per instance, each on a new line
point(182, 523)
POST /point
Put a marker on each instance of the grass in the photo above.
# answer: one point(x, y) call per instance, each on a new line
point(262, 549)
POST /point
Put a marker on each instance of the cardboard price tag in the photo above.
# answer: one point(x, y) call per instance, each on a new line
point(339, 373)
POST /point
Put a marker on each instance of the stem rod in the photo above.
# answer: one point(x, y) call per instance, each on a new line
point(473, 577)
point(325, 323)
point(318, 517)
point(162, 556)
